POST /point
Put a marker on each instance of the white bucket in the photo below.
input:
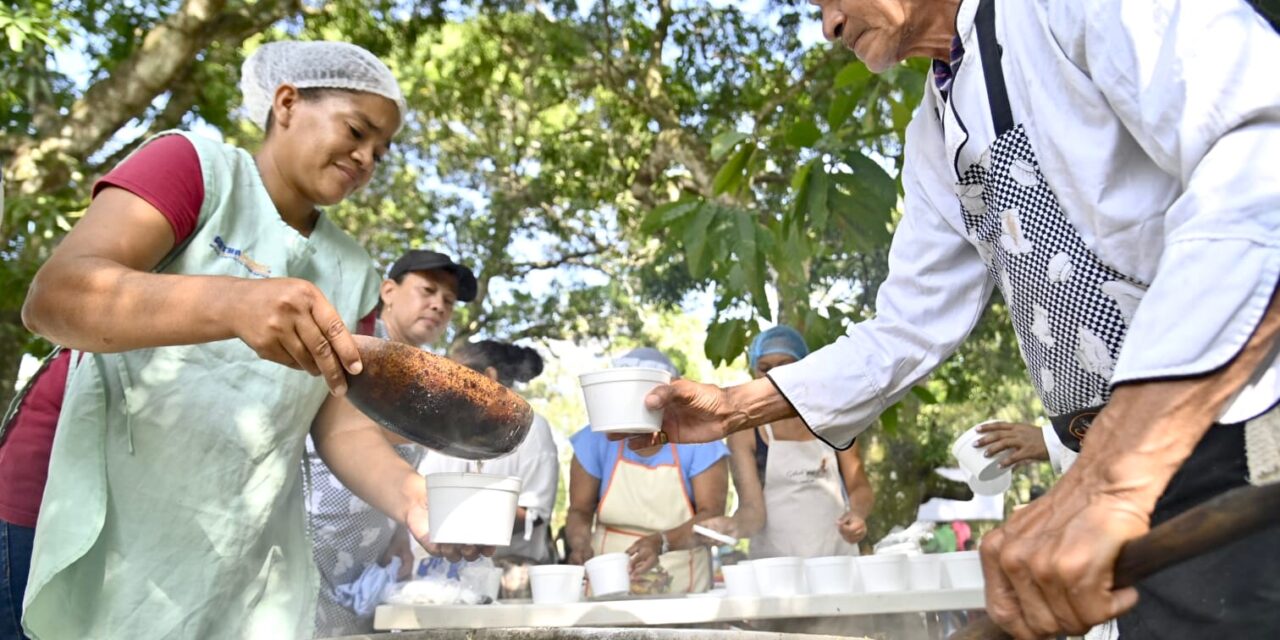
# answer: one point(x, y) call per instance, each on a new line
point(556, 583)
point(985, 475)
point(924, 572)
point(963, 569)
point(883, 573)
point(609, 573)
point(831, 574)
point(615, 399)
point(778, 577)
point(740, 580)
point(472, 508)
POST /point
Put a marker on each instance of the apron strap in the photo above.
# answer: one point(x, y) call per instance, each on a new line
point(997, 95)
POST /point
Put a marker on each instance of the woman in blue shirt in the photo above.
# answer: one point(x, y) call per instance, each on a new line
point(644, 502)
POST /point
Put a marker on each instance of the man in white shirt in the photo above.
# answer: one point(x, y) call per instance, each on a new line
point(1113, 167)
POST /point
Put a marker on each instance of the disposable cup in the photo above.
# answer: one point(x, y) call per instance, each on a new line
point(740, 580)
point(962, 569)
point(779, 577)
point(472, 508)
point(883, 573)
point(831, 574)
point(985, 475)
point(556, 583)
point(924, 572)
point(615, 399)
point(609, 573)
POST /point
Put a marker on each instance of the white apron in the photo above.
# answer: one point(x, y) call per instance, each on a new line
point(803, 498)
point(643, 500)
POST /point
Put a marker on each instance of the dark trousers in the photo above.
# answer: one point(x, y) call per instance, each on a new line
point(15, 561)
point(1231, 593)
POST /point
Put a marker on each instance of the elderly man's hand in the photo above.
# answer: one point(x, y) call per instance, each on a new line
point(1049, 570)
point(692, 412)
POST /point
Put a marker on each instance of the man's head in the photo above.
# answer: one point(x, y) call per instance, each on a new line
point(883, 33)
point(419, 295)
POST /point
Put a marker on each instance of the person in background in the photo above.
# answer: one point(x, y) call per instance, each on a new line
point(536, 462)
point(797, 496)
point(416, 303)
point(173, 505)
point(645, 501)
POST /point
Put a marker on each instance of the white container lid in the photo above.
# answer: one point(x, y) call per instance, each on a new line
point(473, 481)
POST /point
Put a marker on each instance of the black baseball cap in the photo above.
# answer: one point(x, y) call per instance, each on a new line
point(423, 260)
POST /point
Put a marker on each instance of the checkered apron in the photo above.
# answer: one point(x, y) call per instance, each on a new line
point(1070, 311)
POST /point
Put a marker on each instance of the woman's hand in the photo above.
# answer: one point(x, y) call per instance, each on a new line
point(644, 554)
point(852, 526)
point(289, 321)
point(580, 554)
point(720, 524)
point(1024, 442)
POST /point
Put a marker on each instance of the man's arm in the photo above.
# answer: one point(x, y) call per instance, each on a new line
point(1050, 569)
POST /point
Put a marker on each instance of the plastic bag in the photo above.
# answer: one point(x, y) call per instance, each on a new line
point(439, 581)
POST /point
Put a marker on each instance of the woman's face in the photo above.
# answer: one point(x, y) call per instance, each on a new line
point(769, 361)
point(329, 146)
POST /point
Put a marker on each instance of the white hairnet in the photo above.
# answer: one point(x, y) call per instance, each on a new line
point(336, 65)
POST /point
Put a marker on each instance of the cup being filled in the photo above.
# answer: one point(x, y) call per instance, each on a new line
point(609, 574)
point(472, 508)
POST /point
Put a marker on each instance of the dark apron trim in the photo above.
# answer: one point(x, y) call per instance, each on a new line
point(997, 95)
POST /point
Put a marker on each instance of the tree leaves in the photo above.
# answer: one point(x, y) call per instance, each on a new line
point(725, 142)
point(803, 134)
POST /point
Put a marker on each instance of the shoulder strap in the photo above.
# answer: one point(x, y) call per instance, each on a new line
point(989, 46)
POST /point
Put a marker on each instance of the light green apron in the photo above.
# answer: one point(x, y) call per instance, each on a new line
point(174, 504)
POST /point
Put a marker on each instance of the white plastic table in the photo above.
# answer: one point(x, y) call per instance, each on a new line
point(668, 611)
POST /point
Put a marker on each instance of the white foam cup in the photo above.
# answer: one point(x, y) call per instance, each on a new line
point(777, 577)
point(615, 399)
point(985, 475)
point(740, 580)
point(472, 508)
point(609, 573)
point(924, 572)
point(556, 583)
point(883, 573)
point(830, 574)
point(963, 569)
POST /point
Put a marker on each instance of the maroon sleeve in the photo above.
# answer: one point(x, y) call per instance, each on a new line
point(366, 324)
point(166, 173)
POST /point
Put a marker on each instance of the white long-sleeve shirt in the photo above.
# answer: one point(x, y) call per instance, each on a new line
point(1157, 125)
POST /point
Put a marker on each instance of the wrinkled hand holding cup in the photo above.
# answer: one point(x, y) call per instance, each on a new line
point(985, 476)
point(615, 399)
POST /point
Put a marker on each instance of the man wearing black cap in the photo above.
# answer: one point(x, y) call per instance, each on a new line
point(416, 306)
point(418, 297)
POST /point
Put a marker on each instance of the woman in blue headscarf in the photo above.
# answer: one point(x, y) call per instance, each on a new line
point(797, 496)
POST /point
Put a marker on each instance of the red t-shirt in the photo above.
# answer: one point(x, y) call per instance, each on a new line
point(166, 173)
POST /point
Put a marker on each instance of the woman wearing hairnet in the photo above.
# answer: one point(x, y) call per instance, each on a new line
point(645, 502)
point(796, 495)
point(174, 506)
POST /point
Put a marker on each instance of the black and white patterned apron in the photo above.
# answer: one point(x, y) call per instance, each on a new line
point(1069, 310)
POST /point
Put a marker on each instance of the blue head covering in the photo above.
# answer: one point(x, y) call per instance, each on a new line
point(779, 339)
point(646, 357)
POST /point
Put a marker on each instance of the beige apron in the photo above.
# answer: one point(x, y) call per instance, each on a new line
point(803, 498)
point(643, 500)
